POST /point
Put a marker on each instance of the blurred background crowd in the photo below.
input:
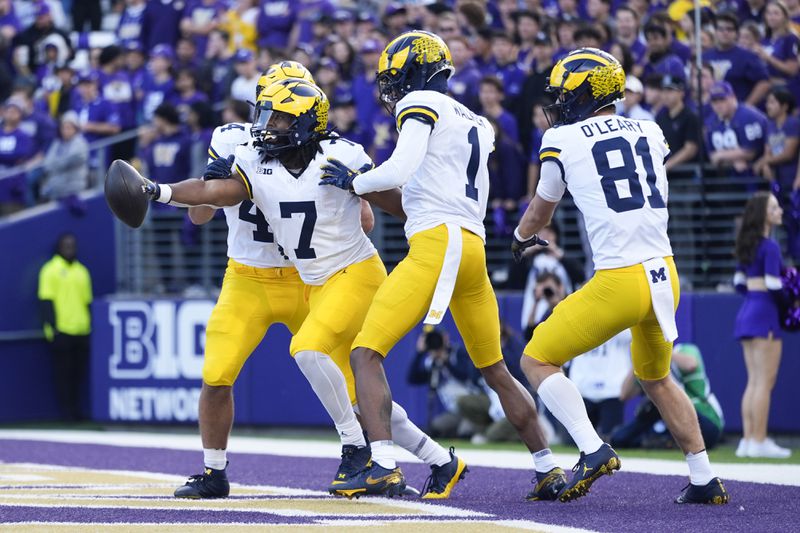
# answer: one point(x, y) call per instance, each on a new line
point(85, 81)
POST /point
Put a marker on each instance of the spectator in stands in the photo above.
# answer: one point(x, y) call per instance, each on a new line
point(244, 86)
point(631, 106)
point(449, 375)
point(533, 88)
point(9, 26)
point(491, 95)
point(116, 88)
point(681, 125)
point(507, 180)
point(199, 19)
point(548, 291)
point(276, 18)
point(741, 68)
point(780, 47)
point(599, 12)
point(240, 23)
point(483, 409)
point(99, 117)
point(66, 164)
point(158, 86)
point(736, 133)
point(344, 119)
point(750, 36)
point(63, 98)
point(395, 18)
point(588, 36)
point(482, 49)
point(464, 82)
point(186, 54)
point(661, 58)
point(36, 121)
point(504, 65)
point(160, 24)
point(565, 34)
point(540, 125)
point(779, 162)
point(757, 324)
point(216, 72)
point(28, 44)
point(627, 25)
point(647, 429)
point(652, 93)
point(752, 10)
point(327, 75)
point(623, 54)
point(168, 155)
point(86, 12)
point(201, 121)
point(364, 89)
point(16, 148)
point(599, 376)
point(527, 27)
point(703, 100)
point(235, 111)
point(129, 29)
point(343, 55)
point(186, 92)
point(136, 69)
point(65, 292)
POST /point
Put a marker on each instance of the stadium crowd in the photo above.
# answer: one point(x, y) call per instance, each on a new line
point(75, 72)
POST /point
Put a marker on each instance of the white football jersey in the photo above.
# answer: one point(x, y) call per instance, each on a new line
point(250, 239)
point(452, 183)
point(318, 227)
point(614, 169)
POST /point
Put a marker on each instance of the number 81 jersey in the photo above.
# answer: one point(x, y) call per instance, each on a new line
point(451, 184)
point(614, 169)
point(250, 240)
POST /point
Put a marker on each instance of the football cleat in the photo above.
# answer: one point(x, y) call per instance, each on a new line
point(713, 493)
point(548, 485)
point(443, 478)
point(589, 469)
point(210, 484)
point(372, 480)
point(354, 460)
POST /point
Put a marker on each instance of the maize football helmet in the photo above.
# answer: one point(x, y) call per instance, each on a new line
point(281, 71)
point(301, 105)
point(584, 81)
point(409, 62)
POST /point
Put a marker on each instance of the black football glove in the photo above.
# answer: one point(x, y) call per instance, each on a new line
point(336, 173)
point(518, 246)
point(219, 169)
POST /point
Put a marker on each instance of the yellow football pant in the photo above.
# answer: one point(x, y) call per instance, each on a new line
point(251, 300)
point(613, 300)
point(404, 298)
point(336, 313)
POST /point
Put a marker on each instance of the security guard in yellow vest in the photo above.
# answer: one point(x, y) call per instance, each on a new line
point(65, 292)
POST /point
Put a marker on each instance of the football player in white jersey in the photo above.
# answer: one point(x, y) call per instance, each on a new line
point(440, 160)
point(320, 231)
point(614, 169)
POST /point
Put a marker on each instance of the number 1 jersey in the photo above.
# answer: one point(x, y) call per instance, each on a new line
point(250, 241)
point(318, 227)
point(614, 169)
point(452, 183)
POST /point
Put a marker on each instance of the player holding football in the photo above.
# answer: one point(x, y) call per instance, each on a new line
point(321, 230)
point(440, 160)
point(614, 169)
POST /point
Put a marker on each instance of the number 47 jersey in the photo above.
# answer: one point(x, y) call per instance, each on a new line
point(614, 169)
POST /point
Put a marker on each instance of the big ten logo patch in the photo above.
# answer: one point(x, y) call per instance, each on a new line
point(158, 339)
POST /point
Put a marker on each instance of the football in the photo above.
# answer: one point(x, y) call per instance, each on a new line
point(124, 195)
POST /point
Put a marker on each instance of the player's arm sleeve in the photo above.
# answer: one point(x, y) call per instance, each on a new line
point(412, 145)
point(418, 112)
point(551, 185)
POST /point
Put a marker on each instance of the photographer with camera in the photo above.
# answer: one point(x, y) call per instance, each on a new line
point(449, 374)
point(546, 293)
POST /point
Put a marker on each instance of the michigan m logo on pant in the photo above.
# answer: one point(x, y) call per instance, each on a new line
point(658, 275)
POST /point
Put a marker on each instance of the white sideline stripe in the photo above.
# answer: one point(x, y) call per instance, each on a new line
point(772, 473)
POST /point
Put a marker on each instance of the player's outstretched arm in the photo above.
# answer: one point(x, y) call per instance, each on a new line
point(191, 192)
point(201, 214)
point(390, 201)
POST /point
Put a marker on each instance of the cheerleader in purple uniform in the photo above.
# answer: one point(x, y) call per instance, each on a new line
point(757, 327)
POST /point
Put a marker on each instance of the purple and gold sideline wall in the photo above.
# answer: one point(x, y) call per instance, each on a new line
point(147, 354)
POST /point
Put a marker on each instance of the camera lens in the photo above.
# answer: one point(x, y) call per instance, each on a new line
point(548, 292)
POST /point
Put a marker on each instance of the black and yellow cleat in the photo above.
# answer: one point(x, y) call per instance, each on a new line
point(548, 485)
point(712, 493)
point(589, 469)
point(354, 460)
point(210, 484)
point(443, 478)
point(374, 480)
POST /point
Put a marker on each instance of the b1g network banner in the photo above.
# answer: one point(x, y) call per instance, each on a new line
point(148, 359)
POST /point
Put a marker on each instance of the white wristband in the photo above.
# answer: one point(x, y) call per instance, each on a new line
point(165, 194)
point(519, 237)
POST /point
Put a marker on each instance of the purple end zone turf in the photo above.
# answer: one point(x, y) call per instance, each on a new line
point(626, 502)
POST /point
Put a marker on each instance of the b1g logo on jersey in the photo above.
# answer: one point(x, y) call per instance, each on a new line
point(158, 339)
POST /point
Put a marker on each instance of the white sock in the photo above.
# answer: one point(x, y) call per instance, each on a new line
point(544, 461)
point(216, 459)
point(699, 468)
point(562, 398)
point(331, 388)
point(409, 437)
point(383, 453)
